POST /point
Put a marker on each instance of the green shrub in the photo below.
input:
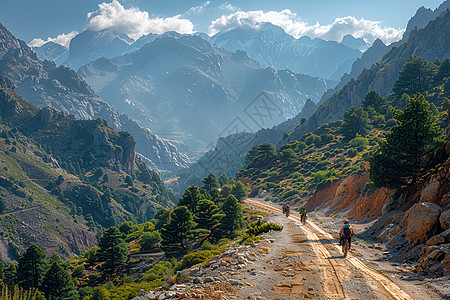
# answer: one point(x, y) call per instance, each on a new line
point(198, 257)
point(259, 227)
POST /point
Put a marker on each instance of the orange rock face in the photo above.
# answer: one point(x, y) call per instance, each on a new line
point(348, 194)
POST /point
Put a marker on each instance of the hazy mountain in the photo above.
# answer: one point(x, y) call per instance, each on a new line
point(271, 46)
point(185, 88)
point(354, 43)
point(52, 51)
point(382, 76)
point(45, 84)
point(228, 154)
point(91, 45)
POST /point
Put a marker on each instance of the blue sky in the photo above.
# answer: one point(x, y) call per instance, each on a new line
point(29, 19)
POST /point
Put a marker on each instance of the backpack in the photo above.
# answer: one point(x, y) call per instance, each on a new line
point(347, 232)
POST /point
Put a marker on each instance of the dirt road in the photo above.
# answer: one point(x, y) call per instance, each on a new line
point(307, 263)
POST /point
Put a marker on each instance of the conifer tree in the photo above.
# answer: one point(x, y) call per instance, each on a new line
point(57, 284)
point(375, 100)
point(174, 233)
point(210, 182)
point(113, 251)
point(233, 218)
point(31, 267)
point(10, 275)
point(190, 198)
point(208, 216)
point(223, 179)
point(407, 145)
point(239, 191)
point(356, 121)
point(415, 77)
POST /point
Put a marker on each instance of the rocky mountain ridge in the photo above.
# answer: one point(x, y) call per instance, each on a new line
point(271, 46)
point(45, 84)
point(65, 194)
point(181, 86)
point(381, 77)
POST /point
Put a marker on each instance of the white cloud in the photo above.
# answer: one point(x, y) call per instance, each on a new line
point(134, 22)
point(62, 39)
point(198, 9)
point(228, 6)
point(366, 29)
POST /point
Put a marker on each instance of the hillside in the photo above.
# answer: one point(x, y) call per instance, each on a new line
point(382, 76)
point(64, 179)
point(180, 87)
point(44, 84)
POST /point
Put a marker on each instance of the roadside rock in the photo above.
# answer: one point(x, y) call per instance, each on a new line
point(444, 219)
point(421, 222)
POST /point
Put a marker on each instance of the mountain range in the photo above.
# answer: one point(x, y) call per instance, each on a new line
point(268, 44)
point(271, 46)
point(44, 84)
point(382, 76)
point(185, 88)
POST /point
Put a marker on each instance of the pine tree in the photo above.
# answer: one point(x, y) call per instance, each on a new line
point(288, 156)
point(239, 191)
point(407, 145)
point(233, 218)
point(31, 267)
point(415, 77)
point(174, 233)
point(210, 182)
point(113, 250)
point(10, 277)
point(375, 100)
point(57, 284)
point(223, 179)
point(356, 121)
point(208, 216)
point(190, 198)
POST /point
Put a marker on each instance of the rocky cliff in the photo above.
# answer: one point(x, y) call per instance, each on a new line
point(45, 84)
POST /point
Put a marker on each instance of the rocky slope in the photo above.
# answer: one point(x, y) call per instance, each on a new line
point(180, 87)
point(45, 84)
point(381, 77)
point(271, 46)
point(60, 197)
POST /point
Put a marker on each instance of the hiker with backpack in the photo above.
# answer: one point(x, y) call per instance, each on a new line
point(346, 233)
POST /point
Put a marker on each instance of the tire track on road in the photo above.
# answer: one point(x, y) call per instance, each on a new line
point(390, 287)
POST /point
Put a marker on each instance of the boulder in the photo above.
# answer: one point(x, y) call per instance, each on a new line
point(444, 220)
point(430, 191)
point(421, 222)
point(436, 240)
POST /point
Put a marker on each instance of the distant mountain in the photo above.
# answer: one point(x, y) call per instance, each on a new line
point(45, 84)
point(424, 16)
point(228, 154)
point(184, 88)
point(354, 43)
point(378, 49)
point(91, 45)
point(431, 42)
point(271, 46)
point(52, 51)
point(64, 179)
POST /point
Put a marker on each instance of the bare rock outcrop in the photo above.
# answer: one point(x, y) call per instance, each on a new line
point(421, 222)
